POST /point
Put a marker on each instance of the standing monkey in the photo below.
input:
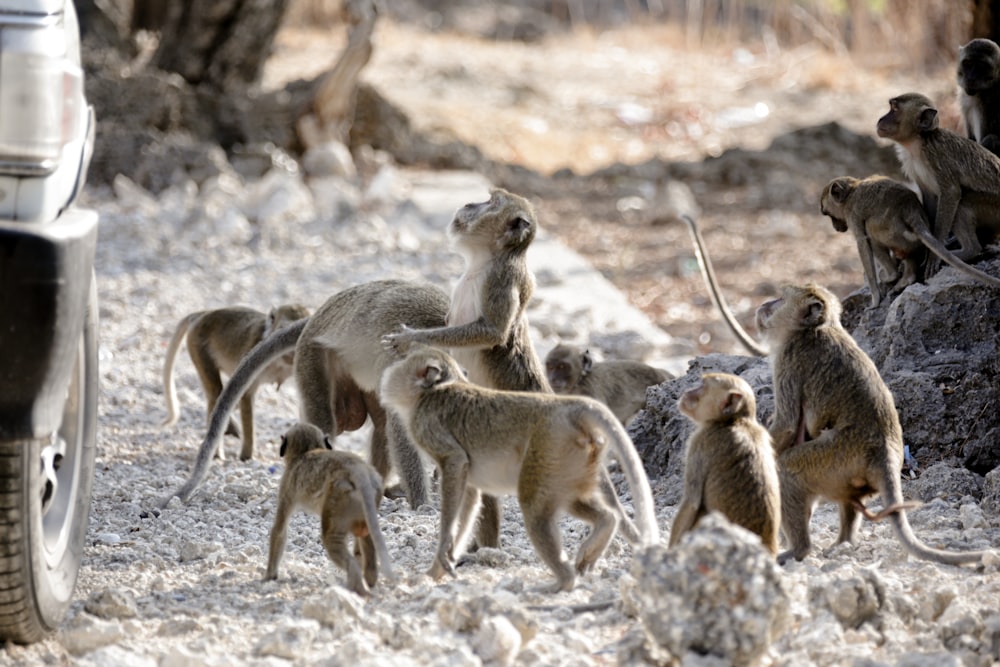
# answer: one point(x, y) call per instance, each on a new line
point(889, 225)
point(835, 428)
point(958, 179)
point(217, 340)
point(547, 449)
point(979, 91)
point(338, 362)
point(729, 465)
point(345, 492)
point(487, 330)
point(619, 384)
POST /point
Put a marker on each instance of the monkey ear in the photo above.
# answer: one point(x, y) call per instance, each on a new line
point(815, 313)
point(927, 120)
point(430, 375)
point(733, 404)
point(839, 192)
point(284, 445)
point(587, 361)
point(518, 231)
point(326, 442)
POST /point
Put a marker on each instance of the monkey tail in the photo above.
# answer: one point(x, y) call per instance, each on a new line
point(635, 472)
point(708, 273)
point(941, 251)
point(169, 388)
point(892, 498)
point(371, 518)
point(251, 366)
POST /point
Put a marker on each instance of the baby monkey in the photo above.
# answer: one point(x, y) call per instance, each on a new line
point(548, 449)
point(619, 384)
point(729, 466)
point(217, 340)
point(345, 492)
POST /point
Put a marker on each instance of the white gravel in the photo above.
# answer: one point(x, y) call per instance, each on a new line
point(184, 587)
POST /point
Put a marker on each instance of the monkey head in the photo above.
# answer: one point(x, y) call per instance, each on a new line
point(300, 438)
point(720, 397)
point(800, 307)
point(909, 116)
point(978, 66)
point(565, 366)
point(504, 222)
point(831, 202)
point(423, 369)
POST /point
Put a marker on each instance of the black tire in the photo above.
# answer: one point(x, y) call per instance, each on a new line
point(43, 525)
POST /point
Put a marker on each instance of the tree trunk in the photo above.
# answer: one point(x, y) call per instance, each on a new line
point(222, 44)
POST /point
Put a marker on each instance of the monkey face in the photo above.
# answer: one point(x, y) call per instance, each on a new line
point(505, 221)
point(978, 66)
point(909, 115)
point(559, 374)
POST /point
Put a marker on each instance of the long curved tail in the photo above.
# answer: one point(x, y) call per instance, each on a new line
point(941, 251)
point(635, 473)
point(252, 365)
point(708, 273)
point(169, 388)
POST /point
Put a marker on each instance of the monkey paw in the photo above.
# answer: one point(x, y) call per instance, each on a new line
point(398, 343)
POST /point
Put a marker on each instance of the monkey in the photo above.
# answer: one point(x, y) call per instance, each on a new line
point(487, 330)
point(345, 492)
point(729, 465)
point(708, 274)
point(548, 449)
point(979, 91)
point(959, 180)
point(338, 362)
point(835, 429)
point(216, 341)
point(888, 223)
point(619, 384)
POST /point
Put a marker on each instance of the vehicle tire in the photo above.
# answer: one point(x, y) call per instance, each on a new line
point(45, 487)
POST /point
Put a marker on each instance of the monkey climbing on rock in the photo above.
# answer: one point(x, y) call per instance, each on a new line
point(344, 492)
point(217, 340)
point(835, 429)
point(729, 465)
point(620, 384)
point(547, 449)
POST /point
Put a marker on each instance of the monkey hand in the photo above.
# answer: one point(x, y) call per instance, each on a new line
point(399, 343)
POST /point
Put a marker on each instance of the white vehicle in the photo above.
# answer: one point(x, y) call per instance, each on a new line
point(48, 316)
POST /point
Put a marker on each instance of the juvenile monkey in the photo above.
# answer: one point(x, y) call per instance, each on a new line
point(216, 341)
point(338, 362)
point(729, 466)
point(958, 179)
point(487, 330)
point(708, 273)
point(345, 492)
point(619, 384)
point(547, 449)
point(888, 224)
point(979, 91)
point(835, 428)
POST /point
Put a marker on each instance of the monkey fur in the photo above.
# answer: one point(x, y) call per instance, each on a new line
point(547, 449)
point(487, 330)
point(835, 429)
point(619, 384)
point(890, 227)
point(959, 180)
point(338, 362)
point(729, 465)
point(979, 91)
point(217, 340)
point(344, 492)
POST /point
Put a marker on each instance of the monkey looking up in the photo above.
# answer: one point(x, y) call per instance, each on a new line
point(890, 227)
point(547, 449)
point(345, 492)
point(338, 362)
point(729, 466)
point(217, 340)
point(619, 384)
point(979, 91)
point(959, 180)
point(487, 329)
point(835, 429)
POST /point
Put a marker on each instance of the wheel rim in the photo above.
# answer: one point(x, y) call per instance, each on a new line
point(60, 461)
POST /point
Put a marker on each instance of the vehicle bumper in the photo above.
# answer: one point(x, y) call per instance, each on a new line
point(45, 274)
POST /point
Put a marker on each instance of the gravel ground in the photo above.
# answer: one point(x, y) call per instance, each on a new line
point(183, 586)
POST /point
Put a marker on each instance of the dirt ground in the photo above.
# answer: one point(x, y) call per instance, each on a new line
point(639, 95)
